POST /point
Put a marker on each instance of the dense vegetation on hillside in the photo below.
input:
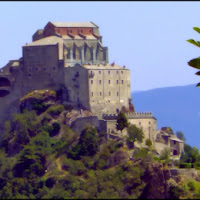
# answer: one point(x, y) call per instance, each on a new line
point(41, 157)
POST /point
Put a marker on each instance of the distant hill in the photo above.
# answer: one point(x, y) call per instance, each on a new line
point(177, 107)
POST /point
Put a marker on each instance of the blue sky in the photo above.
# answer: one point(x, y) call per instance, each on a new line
point(149, 38)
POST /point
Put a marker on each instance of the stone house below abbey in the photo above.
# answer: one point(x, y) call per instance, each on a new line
point(72, 56)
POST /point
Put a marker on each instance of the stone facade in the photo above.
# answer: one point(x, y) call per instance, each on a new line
point(71, 56)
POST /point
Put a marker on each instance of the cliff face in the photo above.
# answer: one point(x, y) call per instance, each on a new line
point(164, 182)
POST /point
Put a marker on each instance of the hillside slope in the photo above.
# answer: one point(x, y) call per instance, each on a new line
point(177, 107)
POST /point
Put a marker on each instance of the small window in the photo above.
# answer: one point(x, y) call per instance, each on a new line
point(29, 75)
point(91, 93)
point(70, 31)
point(36, 69)
point(139, 123)
point(108, 81)
point(149, 122)
point(91, 81)
point(29, 69)
point(121, 72)
point(117, 81)
point(58, 31)
point(49, 74)
point(100, 82)
point(81, 31)
point(44, 69)
point(117, 72)
point(77, 99)
point(100, 93)
point(99, 72)
point(108, 101)
point(108, 72)
point(90, 31)
point(117, 93)
point(109, 93)
point(174, 142)
point(122, 82)
point(54, 68)
point(108, 130)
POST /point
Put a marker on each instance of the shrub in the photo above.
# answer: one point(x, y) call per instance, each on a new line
point(148, 142)
point(185, 165)
point(197, 165)
point(56, 110)
point(39, 105)
point(191, 185)
point(165, 154)
point(46, 119)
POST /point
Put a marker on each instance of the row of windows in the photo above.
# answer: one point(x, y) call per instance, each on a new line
point(29, 75)
point(72, 31)
point(100, 93)
point(117, 82)
point(108, 72)
point(36, 69)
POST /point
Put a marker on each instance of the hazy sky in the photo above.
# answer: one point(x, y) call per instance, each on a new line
point(149, 38)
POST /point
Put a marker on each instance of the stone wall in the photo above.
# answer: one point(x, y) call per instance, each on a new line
point(80, 123)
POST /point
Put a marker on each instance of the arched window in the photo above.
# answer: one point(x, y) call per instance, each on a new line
point(4, 82)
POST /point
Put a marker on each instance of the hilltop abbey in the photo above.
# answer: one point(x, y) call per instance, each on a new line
point(72, 56)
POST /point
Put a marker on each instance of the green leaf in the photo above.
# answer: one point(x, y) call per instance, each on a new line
point(198, 73)
point(198, 85)
point(195, 63)
point(197, 29)
point(197, 43)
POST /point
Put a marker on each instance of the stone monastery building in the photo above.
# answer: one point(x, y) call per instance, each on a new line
point(72, 56)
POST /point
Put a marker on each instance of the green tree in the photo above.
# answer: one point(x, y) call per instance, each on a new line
point(165, 153)
point(122, 121)
point(148, 142)
point(134, 134)
point(88, 144)
point(180, 135)
point(89, 141)
point(196, 61)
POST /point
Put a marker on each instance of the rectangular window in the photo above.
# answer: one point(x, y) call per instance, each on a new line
point(54, 68)
point(117, 81)
point(29, 75)
point(108, 81)
point(100, 82)
point(121, 72)
point(108, 72)
point(174, 142)
point(44, 69)
point(99, 72)
point(36, 69)
point(109, 93)
point(91, 93)
point(117, 93)
point(91, 81)
point(100, 93)
point(122, 82)
point(117, 72)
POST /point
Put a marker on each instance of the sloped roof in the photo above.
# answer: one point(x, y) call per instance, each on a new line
point(51, 40)
point(100, 66)
point(74, 24)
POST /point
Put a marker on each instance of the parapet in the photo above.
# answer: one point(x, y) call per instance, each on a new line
point(129, 115)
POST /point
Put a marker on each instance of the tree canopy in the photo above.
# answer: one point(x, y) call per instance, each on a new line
point(134, 134)
point(122, 121)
